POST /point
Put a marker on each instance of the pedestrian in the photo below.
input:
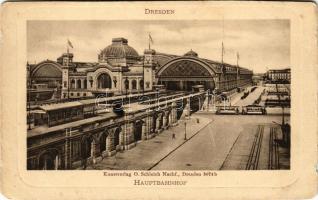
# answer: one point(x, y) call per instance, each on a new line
point(173, 136)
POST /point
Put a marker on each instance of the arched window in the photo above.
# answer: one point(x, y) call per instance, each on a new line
point(85, 84)
point(72, 83)
point(49, 160)
point(104, 81)
point(134, 84)
point(117, 134)
point(126, 84)
point(141, 84)
point(79, 84)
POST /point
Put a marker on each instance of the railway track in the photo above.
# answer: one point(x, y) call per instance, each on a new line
point(273, 159)
point(253, 158)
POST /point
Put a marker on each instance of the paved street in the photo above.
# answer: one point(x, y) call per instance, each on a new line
point(149, 152)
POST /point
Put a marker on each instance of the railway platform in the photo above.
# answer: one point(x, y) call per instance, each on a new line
point(261, 151)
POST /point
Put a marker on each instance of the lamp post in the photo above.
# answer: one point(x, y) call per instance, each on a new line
point(185, 130)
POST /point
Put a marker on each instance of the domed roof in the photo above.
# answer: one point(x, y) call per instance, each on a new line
point(119, 49)
point(191, 53)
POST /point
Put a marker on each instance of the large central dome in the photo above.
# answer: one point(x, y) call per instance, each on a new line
point(117, 50)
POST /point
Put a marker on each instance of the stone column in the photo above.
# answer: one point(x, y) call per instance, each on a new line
point(93, 151)
point(181, 85)
point(205, 102)
point(82, 83)
point(174, 116)
point(150, 124)
point(67, 159)
point(170, 119)
point(109, 143)
point(122, 138)
point(128, 135)
point(56, 162)
point(104, 153)
point(157, 124)
point(137, 86)
point(144, 130)
point(173, 108)
point(164, 121)
point(188, 107)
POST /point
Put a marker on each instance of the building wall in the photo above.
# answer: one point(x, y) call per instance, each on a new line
point(85, 144)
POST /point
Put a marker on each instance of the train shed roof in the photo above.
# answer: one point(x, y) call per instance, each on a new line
point(57, 106)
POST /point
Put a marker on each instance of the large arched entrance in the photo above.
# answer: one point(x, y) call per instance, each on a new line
point(102, 142)
point(47, 72)
point(154, 124)
point(117, 136)
point(104, 81)
point(46, 81)
point(183, 73)
point(138, 130)
point(86, 147)
point(49, 160)
point(161, 116)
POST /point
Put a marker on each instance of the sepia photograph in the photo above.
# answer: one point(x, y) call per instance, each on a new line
point(158, 100)
point(158, 94)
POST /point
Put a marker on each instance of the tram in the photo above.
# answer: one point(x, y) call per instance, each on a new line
point(253, 110)
point(227, 110)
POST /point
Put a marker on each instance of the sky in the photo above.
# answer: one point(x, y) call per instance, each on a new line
point(261, 44)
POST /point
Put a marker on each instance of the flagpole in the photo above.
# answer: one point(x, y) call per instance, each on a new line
point(222, 39)
point(222, 53)
point(143, 75)
point(237, 69)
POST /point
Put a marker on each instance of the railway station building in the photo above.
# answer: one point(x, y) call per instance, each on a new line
point(121, 70)
point(183, 72)
point(69, 135)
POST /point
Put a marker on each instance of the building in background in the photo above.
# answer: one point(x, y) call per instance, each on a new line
point(278, 75)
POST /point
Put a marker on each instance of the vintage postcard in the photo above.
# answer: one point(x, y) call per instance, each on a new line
point(149, 100)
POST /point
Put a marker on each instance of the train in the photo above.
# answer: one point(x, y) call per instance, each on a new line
point(61, 113)
point(246, 110)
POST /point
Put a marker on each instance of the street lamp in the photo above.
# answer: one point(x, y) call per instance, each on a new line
point(185, 130)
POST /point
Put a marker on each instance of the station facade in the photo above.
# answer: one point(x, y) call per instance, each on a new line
point(83, 138)
point(183, 72)
point(121, 70)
